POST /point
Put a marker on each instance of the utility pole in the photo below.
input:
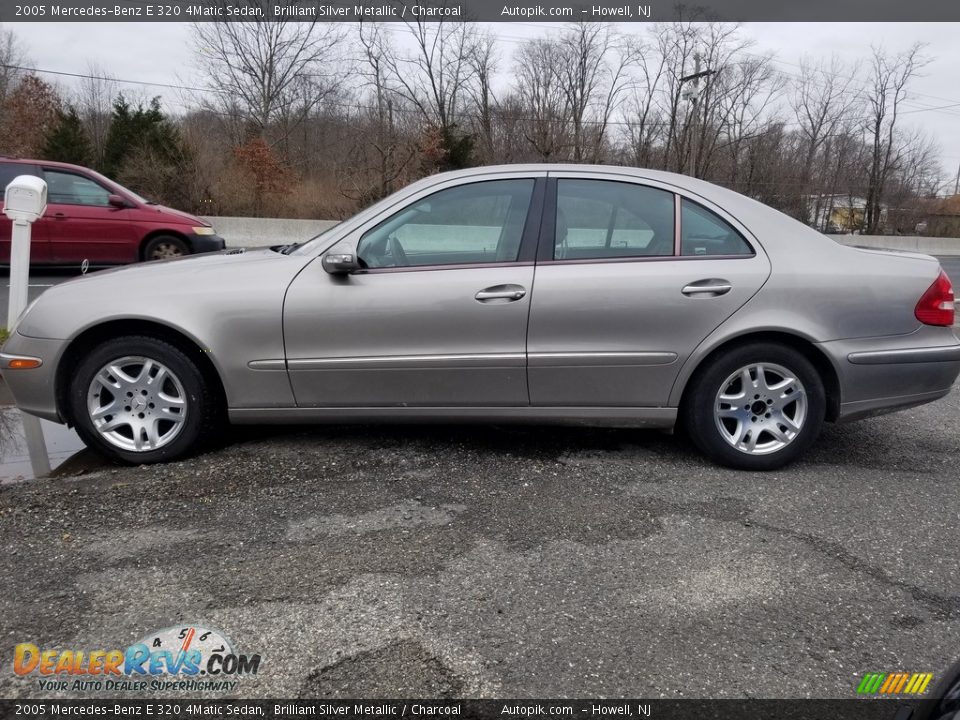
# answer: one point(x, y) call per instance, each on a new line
point(693, 95)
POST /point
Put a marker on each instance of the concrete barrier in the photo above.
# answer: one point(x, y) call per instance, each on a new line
point(911, 243)
point(260, 232)
point(263, 232)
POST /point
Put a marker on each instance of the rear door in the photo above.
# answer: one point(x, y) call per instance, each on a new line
point(80, 223)
point(39, 250)
point(630, 278)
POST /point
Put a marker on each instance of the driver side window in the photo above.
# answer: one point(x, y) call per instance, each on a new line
point(477, 223)
point(68, 188)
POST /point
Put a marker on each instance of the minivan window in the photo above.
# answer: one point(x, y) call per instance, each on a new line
point(8, 171)
point(476, 223)
point(703, 232)
point(609, 219)
point(71, 189)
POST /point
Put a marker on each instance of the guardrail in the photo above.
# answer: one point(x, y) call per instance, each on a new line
point(261, 232)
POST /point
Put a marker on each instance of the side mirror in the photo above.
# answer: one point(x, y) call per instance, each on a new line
point(340, 261)
point(117, 201)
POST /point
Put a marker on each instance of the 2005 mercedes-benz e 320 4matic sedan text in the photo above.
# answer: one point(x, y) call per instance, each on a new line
point(520, 293)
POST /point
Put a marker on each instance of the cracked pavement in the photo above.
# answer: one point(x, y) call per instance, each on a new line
point(507, 561)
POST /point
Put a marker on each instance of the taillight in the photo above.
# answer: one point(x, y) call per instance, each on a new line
point(936, 307)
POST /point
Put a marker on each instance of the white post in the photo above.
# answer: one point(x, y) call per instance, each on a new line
point(19, 270)
point(19, 283)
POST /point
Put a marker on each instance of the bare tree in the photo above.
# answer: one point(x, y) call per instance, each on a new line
point(645, 124)
point(484, 65)
point(824, 96)
point(12, 58)
point(93, 99)
point(542, 101)
point(751, 88)
point(274, 73)
point(436, 79)
point(592, 75)
point(890, 76)
point(382, 150)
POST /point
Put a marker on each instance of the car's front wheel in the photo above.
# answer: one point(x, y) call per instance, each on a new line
point(757, 407)
point(141, 400)
point(165, 247)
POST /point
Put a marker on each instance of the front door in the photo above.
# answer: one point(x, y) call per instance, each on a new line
point(80, 224)
point(624, 295)
point(437, 318)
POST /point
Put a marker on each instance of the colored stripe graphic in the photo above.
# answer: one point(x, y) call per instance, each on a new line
point(898, 683)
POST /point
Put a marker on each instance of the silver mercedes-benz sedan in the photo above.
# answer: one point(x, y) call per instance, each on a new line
point(525, 293)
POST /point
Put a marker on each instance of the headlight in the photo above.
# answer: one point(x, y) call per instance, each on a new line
point(203, 231)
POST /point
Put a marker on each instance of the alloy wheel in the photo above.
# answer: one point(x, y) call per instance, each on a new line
point(760, 408)
point(137, 404)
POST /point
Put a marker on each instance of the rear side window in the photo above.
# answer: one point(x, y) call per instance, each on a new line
point(703, 232)
point(8, 171)
point(71, 189)
point(599, 219)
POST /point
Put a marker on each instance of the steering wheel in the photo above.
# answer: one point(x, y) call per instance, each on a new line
point(397, 254)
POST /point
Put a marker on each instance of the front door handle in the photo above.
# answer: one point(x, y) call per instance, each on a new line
point(501, 293)
point(711, 288)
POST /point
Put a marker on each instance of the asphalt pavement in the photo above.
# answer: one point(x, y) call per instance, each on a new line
point(507, 562)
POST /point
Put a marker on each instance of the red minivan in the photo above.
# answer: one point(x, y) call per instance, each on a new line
point(90, 217)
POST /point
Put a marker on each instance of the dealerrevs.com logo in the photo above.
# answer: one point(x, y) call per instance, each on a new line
point(188, 658)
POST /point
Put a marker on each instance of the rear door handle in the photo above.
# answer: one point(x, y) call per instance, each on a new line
point(712, 287)
point(502, 293)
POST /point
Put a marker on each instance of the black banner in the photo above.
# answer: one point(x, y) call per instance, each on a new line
point(479, 10)
point(473, 709)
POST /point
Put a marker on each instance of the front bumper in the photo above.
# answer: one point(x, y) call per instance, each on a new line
point(880, 375)
point(207, 243)
point(33, 389)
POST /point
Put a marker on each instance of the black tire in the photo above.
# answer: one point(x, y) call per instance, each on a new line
point(943, 702)
point(204, 416)
point(165, 247)
point(698, 411)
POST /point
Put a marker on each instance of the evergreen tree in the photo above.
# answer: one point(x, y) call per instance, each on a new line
point(137, 132)
point(67, 141)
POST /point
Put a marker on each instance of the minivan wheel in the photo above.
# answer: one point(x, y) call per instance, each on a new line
point(758, 407)
point(165, 247)
point(141, 400)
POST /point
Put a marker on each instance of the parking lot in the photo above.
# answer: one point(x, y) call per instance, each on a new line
point(510, 562)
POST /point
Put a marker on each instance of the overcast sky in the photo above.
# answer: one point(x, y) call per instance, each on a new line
point(161, 53)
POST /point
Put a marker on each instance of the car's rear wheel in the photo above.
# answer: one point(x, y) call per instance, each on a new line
point(757, 407)
point(141, 400)
point(165, 247)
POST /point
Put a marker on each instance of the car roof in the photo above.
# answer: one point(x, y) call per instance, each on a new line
point(48, 163)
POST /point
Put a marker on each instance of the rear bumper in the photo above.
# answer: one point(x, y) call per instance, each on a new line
point(879, 375)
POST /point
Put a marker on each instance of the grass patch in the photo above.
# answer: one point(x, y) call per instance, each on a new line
point(4, 334)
